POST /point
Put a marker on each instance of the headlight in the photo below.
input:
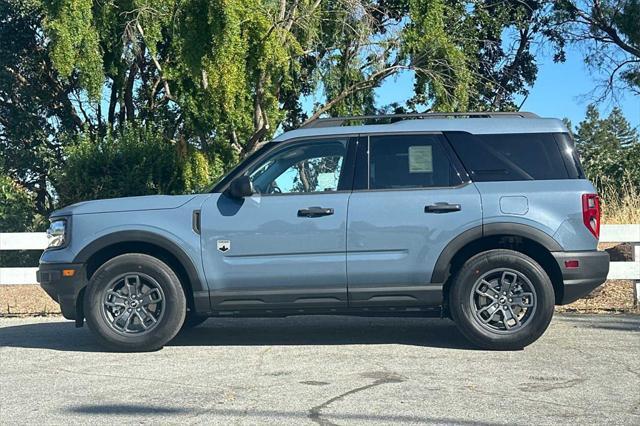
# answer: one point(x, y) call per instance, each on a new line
point(57, 233)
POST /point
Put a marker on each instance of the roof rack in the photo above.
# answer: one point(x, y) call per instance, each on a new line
point(392, 118)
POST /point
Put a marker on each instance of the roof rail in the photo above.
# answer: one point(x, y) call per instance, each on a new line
point(392, 118)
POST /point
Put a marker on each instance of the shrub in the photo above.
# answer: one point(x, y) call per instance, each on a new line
point(134, 161)
point(17, 215)
point(16, 207)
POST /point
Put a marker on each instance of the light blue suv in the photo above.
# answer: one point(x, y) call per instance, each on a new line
point(483, 217)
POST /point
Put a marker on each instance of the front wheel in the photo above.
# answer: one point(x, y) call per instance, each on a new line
point(134, 302)
point(502, 299)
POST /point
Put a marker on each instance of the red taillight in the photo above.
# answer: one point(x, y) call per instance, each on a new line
point(591, 213)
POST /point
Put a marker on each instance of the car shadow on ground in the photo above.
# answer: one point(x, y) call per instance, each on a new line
point(310, 330)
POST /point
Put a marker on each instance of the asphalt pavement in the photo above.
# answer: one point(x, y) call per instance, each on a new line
point(323, 370)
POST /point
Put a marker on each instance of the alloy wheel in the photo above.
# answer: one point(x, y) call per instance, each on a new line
point(503, 300)
point(133, 303)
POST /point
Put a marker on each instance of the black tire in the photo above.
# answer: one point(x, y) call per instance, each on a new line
point(170, 308)
point(192, 320)
point(486, 325)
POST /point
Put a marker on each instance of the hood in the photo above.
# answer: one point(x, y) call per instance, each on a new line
point(148, 202)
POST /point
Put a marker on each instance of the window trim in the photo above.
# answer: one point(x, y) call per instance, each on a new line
point(572, 162)
point(347, 166)
point(454, 161)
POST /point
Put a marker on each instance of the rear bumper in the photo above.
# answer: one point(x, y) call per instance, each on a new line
point(592, 270)
point(63, 289)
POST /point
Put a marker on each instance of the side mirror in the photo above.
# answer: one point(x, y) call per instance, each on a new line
point(240, 187)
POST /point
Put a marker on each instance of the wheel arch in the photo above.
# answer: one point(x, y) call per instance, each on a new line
point(111, 245)
point(522, 238)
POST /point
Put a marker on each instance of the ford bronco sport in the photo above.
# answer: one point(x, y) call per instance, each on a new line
point(482, 217)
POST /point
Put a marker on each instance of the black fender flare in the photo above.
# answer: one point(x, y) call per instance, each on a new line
point(198, 286)
point(441, 268)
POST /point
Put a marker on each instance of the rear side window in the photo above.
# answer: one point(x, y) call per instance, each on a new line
point(505, 157)
point(409, 161)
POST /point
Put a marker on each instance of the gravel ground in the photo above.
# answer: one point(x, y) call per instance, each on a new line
point(323, 370)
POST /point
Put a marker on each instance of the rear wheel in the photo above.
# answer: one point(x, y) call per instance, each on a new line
point(134, 302)
point(502, 299)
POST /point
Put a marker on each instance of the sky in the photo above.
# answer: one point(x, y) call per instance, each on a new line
point(560, 91)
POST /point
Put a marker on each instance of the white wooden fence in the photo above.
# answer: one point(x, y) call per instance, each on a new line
point(609, 234)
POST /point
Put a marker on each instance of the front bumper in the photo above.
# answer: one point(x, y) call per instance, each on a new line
point(592, 270)
point(63, 289)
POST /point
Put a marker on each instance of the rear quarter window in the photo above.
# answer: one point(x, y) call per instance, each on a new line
point(509, 157)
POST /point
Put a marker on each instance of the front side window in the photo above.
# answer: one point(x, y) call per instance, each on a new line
point(409, 161)
point(305, 167)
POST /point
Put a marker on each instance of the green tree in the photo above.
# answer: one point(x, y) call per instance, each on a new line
point(609, 148)
point(609, 33)
point(36, 105)
point(504, 34)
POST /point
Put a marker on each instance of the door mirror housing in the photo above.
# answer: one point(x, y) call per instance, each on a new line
point(240, 187)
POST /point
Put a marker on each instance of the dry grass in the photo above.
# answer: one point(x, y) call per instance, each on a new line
point(620, 203)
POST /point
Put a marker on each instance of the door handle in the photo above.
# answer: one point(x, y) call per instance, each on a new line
point(442, 208)
point(315, 212)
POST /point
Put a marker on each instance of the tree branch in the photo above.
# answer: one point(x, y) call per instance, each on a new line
point(374, 79)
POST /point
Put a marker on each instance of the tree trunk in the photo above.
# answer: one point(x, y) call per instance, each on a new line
point(113, 100)
point(128, 92)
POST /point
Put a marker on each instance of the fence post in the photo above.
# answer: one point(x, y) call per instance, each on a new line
point(636, 287)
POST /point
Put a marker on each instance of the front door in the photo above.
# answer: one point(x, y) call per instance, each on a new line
point(284, 247)
point(409, 202)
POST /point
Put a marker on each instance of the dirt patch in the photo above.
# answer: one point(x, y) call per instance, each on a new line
point(26, 300)
point(619, 252)
point(612, 296)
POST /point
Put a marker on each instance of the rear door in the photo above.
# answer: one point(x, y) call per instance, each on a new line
point(410, 199)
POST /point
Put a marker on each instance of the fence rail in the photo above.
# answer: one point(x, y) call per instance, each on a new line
point(609, 234)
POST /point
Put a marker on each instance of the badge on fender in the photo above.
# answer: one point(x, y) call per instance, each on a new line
point(224, 245)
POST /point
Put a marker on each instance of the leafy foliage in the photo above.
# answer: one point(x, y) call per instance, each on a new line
point(35, 104)
point(609, 149)
point(430, 42)
point(608, 31)
point(17, 215)
point(138, 161)
point(16, 207)
point(75, 42)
